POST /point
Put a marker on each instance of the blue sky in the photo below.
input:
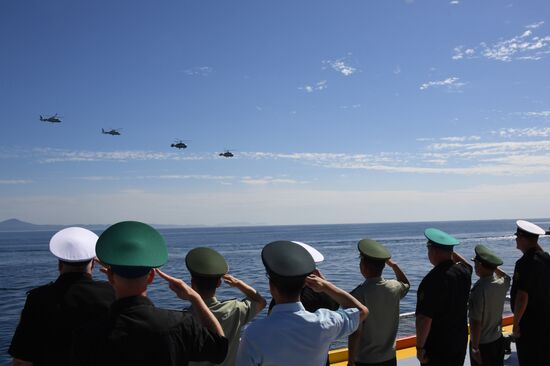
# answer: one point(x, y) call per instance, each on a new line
point(356, 111)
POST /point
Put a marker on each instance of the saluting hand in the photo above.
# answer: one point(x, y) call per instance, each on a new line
point(231, 280)
point(316, 283)
point(183, 290)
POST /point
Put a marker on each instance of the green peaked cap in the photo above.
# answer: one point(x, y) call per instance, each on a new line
point(440, 237)
point(286, 259)
point(373, 249)
point(132, 243)
point(206, 262)
point(484, 254)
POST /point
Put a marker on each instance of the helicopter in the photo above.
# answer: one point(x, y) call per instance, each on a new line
point(179, 144)
point(113, 132)
point(52, 119)
point(226, 154)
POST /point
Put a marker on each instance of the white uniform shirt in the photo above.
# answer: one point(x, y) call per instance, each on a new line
point(292, 336)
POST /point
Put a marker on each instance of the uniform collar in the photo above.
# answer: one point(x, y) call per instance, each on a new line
point(289, 307)
point(374, 279)
point(73, 276)
point(211, 301)
point(128, 302)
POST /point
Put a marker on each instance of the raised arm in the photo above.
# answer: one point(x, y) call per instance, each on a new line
point(457, 258)
point(247, 290)
point(343, 298)
point(399, 274)
point(185, 292)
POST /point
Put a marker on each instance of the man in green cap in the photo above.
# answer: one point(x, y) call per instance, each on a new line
point(208, 268)
point(136, 332)
point(291, 335)
point(530, 297)
point(373, 344)
point(442, 304)
point(485, 309)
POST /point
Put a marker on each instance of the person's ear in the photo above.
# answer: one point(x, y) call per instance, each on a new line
point(150, 277)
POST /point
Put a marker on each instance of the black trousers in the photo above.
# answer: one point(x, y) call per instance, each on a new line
point(446, 359)
point(392, 362)
point(533, 350)
point(492, 354)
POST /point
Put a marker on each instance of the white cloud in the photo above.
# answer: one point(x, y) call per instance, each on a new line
point(49, 155)
point(320, 85)
point(454, 2)
point(524, 132)
point(534, 25)
point(199, 71)
point(341, 66)
point(449, 83)
point(460, 138)
point(541, 114)
point(269, 180)
point(525, 46)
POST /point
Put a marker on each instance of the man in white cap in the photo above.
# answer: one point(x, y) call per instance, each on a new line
point(53, 311)
point(530, 297)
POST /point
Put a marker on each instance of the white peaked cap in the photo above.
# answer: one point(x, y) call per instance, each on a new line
point(530, 227)
point(73, 244)
point(317, 256)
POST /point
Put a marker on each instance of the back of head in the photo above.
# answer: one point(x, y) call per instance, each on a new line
point(131, 249)
point(287, 265)
point(74, 247)
point(206, 267)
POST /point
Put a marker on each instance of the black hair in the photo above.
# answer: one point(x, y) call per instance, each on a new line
point(205, 283)
point(288, 286)
point(75, 265)
point(374, 266)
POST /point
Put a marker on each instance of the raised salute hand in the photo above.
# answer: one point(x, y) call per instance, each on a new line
point(183, 290)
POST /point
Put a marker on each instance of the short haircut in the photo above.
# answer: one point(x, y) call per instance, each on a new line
point(75, 265)
point(205, 283)
point(374, 266)
point(288, 286)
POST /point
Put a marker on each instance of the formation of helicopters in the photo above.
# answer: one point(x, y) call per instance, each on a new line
point(178, 144)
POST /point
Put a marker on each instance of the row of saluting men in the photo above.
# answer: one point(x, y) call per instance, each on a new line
point(79, 321)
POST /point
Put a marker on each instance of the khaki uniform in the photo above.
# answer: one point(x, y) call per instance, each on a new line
point(380, 328)
point(232, 315)
point(486, 305)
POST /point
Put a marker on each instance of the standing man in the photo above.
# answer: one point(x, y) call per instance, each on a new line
point(373, 344)
point(208, 268)
point(485, 309)
point(53, 311)
point(531, 297)
point(136, 332)
point(312, 300)
point(442, 304)
point(291, 335)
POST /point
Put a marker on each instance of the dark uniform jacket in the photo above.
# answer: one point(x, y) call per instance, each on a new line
point(52, 312)
point(443, 297)
point(532, 275)
point(137, 333)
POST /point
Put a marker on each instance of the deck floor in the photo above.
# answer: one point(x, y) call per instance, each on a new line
point(407, 356)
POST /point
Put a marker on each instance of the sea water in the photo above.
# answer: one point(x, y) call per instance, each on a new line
point(25, 261)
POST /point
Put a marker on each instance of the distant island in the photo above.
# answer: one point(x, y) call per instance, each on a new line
point(15, 225)
point(18, 225)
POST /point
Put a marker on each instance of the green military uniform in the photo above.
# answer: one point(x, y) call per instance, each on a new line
point(382, 298)
point(485, 305)
point(232, 314)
